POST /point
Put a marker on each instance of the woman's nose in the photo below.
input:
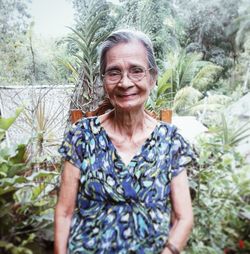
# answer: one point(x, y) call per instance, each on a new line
point(125, 81)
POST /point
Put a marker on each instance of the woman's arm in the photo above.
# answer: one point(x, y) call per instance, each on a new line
point(65, 206)
point(182, 208)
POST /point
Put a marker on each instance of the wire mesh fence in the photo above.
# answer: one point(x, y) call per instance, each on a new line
point(45, 113)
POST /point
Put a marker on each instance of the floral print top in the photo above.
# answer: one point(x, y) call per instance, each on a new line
point(122, 208)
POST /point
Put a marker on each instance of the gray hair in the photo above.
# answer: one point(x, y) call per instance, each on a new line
point(126, 36)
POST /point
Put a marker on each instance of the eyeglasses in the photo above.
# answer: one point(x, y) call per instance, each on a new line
point(135, 74)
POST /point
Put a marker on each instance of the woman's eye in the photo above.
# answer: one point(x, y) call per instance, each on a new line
point(113, 73)
point(136, 70)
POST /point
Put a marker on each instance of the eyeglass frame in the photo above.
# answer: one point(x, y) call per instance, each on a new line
point(122, 74)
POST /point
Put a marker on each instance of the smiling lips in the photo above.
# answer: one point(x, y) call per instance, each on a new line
point(126, 95)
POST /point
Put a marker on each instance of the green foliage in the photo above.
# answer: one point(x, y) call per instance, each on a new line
point(161, 95)
point(14, 23)
point(212, 102)
point(5, 123)
point(21, 249)
point(180, 85)
point(25, 199)
point(221, 184)
point(206, 77)
point(44, 67)
point(239, 29)
point(44, 123)
point(231, 137)
point(155, 19)
point(89, 33)
point(87, 36)
point(25, 58)
point(240, 25)
point(185, 99)
point(206, 23)
point(14, 17)
point(183, 68)
point(190, 69)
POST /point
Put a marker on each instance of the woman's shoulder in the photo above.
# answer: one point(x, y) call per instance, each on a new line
point(86, 123)
point(85, 126)
point(169, 133)
point(166, 129)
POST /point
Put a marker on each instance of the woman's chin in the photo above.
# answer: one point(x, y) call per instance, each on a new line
point(128, 103)
point(129, 106)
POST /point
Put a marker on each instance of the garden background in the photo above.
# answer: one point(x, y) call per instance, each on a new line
point(203, 53)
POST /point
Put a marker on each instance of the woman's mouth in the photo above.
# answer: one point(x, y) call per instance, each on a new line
point(127, 96)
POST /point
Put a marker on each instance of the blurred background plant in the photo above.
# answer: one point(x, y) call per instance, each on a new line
point(221, 189)
point(43, 124)
point(26, 197)
point(90, 31)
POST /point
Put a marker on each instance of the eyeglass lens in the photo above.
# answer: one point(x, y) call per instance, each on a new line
point(134, 74)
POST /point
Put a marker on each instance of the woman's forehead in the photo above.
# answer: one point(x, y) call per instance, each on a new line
point(133, 53)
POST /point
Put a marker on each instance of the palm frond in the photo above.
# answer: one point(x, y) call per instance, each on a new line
point(233, 136)
point(206, 76)
point(186, 98)
point(70, 67)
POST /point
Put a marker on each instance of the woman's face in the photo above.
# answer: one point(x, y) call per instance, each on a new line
point(128, 95)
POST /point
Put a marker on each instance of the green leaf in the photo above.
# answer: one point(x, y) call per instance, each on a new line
point(5, 123)
point(20, 154)
point(41, 174)
point(23, 195)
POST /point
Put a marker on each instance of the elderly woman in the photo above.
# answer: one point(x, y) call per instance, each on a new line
point(124, 171)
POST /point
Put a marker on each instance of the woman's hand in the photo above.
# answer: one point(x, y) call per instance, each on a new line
point(65, 206)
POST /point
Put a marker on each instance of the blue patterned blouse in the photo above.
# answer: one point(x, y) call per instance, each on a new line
point(122, 209)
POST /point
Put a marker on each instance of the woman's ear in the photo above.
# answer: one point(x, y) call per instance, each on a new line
point(105, 89)
point(153, 81)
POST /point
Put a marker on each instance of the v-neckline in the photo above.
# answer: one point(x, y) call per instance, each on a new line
point(139, 151)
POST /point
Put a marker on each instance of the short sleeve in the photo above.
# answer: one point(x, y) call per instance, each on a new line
point(181, 153)
point(71, 148)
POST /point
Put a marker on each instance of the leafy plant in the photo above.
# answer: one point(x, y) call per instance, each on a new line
point(221, 184)
point(42, 123)
point(5, 123)
point(185, 99)
point(179, 86)
point(188, 69)
point(84, 43)
point(189, 101)
point(233, 136)
point(161, 95)
point(25, 197)
point(240, 25)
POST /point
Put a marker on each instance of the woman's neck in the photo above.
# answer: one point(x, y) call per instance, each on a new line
point(129, 123)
